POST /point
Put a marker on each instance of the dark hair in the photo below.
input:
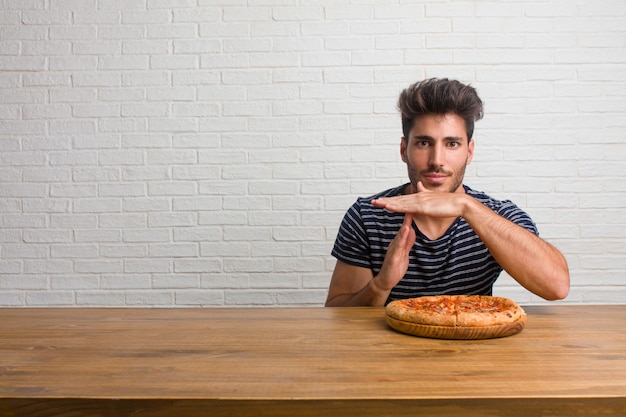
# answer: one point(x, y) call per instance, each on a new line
point(440, 96)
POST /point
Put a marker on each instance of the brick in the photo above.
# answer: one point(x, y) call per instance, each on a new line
point(251, 298)
point(301, 297)
point(80, 282)
point(50, 298)
point(147, 266)
point(126, 282)
point(175, 281)
point(100, 298)
point(199, 298)
point(151, 298)
point(173, 250)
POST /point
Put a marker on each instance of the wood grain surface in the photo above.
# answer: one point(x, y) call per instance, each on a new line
point(569, 360)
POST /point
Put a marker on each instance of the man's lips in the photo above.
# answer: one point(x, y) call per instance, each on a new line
point(435, 177)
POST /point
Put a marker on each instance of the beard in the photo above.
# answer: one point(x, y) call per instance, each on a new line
point(457, 178)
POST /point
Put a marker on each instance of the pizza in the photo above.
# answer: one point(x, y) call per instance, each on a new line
point(475, 311)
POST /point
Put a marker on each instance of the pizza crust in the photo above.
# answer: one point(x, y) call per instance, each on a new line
point(434, 310)
point(456, 310)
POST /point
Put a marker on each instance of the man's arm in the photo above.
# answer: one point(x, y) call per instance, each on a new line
point(535, 264)
point(356, 286)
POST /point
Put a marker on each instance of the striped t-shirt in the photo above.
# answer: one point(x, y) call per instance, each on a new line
point(456, 263)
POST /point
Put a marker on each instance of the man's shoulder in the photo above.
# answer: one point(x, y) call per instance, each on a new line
point(486, 199)
point(505, 208)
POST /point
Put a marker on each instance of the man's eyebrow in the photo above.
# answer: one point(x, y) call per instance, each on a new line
point(422, 137)
point(454, 139)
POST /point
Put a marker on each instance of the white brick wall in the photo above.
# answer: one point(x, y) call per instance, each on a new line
point(185, 153)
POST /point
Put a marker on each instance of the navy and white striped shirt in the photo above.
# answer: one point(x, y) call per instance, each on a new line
point(456, 263)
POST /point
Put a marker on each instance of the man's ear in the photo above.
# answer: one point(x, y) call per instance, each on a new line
point(470, 151)
point(403, 147)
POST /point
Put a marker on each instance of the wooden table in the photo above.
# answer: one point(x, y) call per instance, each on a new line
point(569, 360)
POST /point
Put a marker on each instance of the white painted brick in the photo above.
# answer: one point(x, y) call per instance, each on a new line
point(246, 14)
point(221, 188)
point(177, 250)
point(195, 173)
point(140, 140)
point(144, 174)
point(100, 298)
point(50, 298)
point(23, 191)
point(326, 59)
point(49, 266)
point(10, 267)
point(225, 281)
point(172, 219)
point(22, 63)
point(196, 204)
point(145, 204)
point(21, 220)
point(99, 266)
point(70, 127)
point(199, 298)
point(97, 235)
point(301, 297)
point(10, 236)
point(250, 298)
point(145, 17)
point(92, 16)
point(122, 220)
point(146, 235)
point(147, 266)
point(51, 48)
point(197, 265)
point(299, 264)
point(126, 281)
point(12, 298)
point(74, 251)
point(69, 282)
point(150, 298)
point(72, 96)
point(20, 282)
point(46, 236)
point(175, 281)
point(172, 188)
point(195, 14)
point(98, 110)
point(172, 31)
point(317, 281)
point(276, 281)
point(197, 234)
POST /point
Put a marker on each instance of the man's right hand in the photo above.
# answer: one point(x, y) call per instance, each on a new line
point(356, 286)
point(396, 261)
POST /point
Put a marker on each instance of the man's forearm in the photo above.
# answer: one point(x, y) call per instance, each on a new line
point(534, 263)
point(370, 295)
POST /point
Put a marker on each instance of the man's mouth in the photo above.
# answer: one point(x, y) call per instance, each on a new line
point(435, 177)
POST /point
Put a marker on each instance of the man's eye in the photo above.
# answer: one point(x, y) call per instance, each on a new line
point(422, 143)
point(454, 144)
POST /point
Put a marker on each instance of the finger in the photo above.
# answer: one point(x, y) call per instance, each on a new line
point(390, 204)
point(410, 237)
point(408, 220)
point(421, 188)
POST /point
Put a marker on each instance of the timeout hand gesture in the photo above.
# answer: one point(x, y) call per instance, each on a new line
point(425, 203)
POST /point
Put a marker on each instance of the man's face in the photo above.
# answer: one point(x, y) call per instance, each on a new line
point(437, 152)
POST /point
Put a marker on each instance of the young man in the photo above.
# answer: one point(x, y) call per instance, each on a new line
point(434, 235)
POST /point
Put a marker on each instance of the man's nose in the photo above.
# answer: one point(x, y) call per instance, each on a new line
point(437, 156)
